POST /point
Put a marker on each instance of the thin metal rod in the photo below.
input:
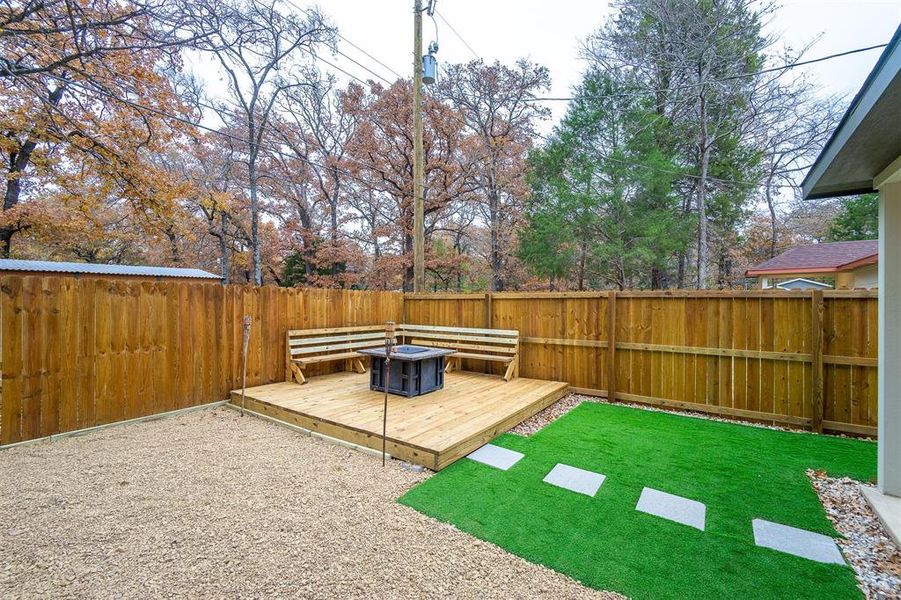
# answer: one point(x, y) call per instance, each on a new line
point(385, 407)
point(389, 343)
point(246, 327)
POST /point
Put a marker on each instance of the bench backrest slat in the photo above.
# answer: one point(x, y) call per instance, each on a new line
point(308, 341)
point(460, 330)
point(458, 337)
point(462, 346)
point(335, 347)
point(335, 330)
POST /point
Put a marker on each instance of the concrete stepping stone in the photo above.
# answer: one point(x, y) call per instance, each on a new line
point(575, 479)
point(495, 456)
point(671, 507)
point(800, 542)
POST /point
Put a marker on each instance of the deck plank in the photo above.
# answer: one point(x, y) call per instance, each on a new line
point(432, 430)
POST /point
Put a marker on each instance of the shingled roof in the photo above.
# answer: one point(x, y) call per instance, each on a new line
point(820, 258)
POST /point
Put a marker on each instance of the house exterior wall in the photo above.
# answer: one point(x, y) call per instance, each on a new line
point(866, 276)
point(889, 375)
point(767, 282)
point(800, 285)
point(844, 280)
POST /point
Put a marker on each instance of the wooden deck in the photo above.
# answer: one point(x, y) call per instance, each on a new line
point(432, 430)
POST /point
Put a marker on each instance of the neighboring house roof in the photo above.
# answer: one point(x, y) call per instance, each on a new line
point(45, 266)
point(801, 283)
point(820, 258)
point(867, 138)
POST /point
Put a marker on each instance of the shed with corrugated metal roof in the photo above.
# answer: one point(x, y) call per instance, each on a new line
point(106, 271)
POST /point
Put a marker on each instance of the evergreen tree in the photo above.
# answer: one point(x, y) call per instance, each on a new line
point(603, 210)
point(858, 219)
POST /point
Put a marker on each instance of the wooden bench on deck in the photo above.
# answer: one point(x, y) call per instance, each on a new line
point(305, 347)
point(494, 345)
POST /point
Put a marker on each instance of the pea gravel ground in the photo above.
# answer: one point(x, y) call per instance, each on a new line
point(213, 504)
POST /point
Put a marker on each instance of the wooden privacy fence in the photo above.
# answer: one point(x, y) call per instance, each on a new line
point(800, 358)
point(80, 352)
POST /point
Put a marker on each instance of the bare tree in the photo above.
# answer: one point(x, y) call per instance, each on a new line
point(263, 55)
point(791, 129)
point(315, 127)
point(497, 107)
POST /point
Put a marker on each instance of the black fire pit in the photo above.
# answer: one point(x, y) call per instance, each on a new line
point(415, 370)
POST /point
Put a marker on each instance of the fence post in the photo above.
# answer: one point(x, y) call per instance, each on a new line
point(611, 346)
point(488, 318)
point(818, 308)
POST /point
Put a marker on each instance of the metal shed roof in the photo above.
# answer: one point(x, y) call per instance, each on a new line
point(868, 138)
point(46, 266)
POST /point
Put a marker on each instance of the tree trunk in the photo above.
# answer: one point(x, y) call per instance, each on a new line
point(256, 255)
point(19, 160)
point(306, 224)
point(704, 149)
point(408, 268)
point(223, 251)
point(582, 252)
point(656, 283)
point(497, 282)
point(703, 243)
point(772, 209)
point(333, 207)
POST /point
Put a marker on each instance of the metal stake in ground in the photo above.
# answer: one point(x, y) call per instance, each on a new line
point(244, 360)
point(389, 344)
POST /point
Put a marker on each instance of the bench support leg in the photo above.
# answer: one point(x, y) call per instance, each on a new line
point(298, 374)
point(358, 364)
point(511, 369)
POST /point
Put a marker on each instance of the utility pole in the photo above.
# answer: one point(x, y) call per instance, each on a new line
point(418, 158)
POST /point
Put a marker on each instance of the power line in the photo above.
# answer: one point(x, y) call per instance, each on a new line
point(308, 12)
point(679, 173)
point(185, 121)
point(720, 79)
point(217, 109)
point(337, 68)
point(459, 37)
point(350, 43)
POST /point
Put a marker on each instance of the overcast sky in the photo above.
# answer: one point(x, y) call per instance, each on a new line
point(550, 33)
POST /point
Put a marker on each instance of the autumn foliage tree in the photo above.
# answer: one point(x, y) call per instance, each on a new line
point(381, 154)
point(497, 106)
point(83, 85)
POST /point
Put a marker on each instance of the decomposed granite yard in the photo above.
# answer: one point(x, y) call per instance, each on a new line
point(213, 504)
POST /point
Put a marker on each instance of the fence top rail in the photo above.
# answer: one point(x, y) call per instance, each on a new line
point(802, 294)
point(444, 295)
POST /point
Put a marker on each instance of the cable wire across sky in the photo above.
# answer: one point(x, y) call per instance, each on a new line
point(275, 151)
point(647, 91)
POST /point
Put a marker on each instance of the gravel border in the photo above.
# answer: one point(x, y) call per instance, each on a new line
point(872, 554)
point(541, 419)
point(210, 504)
point(536, 422)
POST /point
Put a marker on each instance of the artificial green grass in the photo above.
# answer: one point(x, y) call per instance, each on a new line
point(739, 472)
